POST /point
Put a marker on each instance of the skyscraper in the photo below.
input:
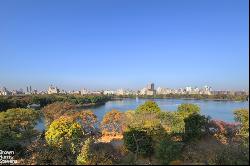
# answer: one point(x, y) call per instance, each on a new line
point(151, 86)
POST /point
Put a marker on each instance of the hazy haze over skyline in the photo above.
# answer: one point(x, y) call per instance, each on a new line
point(124, 44)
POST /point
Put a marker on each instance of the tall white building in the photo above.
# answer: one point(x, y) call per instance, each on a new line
point(108, 92)
point(163, 91)
point(53, 90)
point(4, 92)
point(85, 91)
point(149, 90)
point(120, 92)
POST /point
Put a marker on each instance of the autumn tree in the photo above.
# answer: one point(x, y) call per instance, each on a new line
point(113, 123)
point(56, 110)
point(96, 153)
point(242, 116)
point(88, 121)
point(66, 135)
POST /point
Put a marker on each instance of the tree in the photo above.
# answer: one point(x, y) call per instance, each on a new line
point(173, 122)
point(88, 121)
point(56, 110)
point(242, 116)
point(148, 107)
point(187, 109)
point(113, 123)
point(138, 142)
point(17, 126)
point(233, 154)
point(40, 153)
point(96, 153)
point(195, 126)
point(168, 150)
point(66, 135)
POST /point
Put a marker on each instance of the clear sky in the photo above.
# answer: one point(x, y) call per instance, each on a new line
point(124, 43)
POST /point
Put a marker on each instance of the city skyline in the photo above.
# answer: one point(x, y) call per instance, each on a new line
point(116, 44)
point(29, 88)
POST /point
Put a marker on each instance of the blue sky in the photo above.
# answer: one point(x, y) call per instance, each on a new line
point(113, 44)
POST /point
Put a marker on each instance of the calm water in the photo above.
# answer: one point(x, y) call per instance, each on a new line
point(222, 110)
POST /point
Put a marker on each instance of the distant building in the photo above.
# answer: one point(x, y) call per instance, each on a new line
point(149, 90)
point(120, 92)
point(96, 92)
point(220, 92)
point(238, 93)
point(163, 91)
point(62, 91)
point(53, 90)
point(4, 92)
point(85, 92)
point(108, 92)
point(77, 92)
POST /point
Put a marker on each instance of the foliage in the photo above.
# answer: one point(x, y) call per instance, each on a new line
point(148, 107)
point(138, 142)
point(234, 154)
point(22, 101)
point(40, 153)
point(65, 134)
point(223, 131)
point(88, 121)
point(113, 123)
point(17, 126)
point(173, 122)
point(56, 110)
point(96, 154)
point(201, 152)
point(187, 109)
point(242, 116)
point(195, 126)
point(168, 150)
point(242, 97)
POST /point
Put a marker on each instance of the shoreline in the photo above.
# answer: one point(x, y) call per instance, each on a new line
point(181, 98)
point(89, 105)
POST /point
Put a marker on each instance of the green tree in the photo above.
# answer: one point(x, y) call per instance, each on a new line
point(195, 126)
point(17, 127)
point(187, 109)
point(148, 107)
point(168, 150)
point(138, 142)
point(173, 122)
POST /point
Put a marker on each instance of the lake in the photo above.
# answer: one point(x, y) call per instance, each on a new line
point(216, 109)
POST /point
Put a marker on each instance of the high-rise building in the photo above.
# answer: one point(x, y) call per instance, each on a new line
point(151, 86)
point(53, 90)
point(149, 90)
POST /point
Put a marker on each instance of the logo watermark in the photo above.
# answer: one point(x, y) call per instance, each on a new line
point(6, 157)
